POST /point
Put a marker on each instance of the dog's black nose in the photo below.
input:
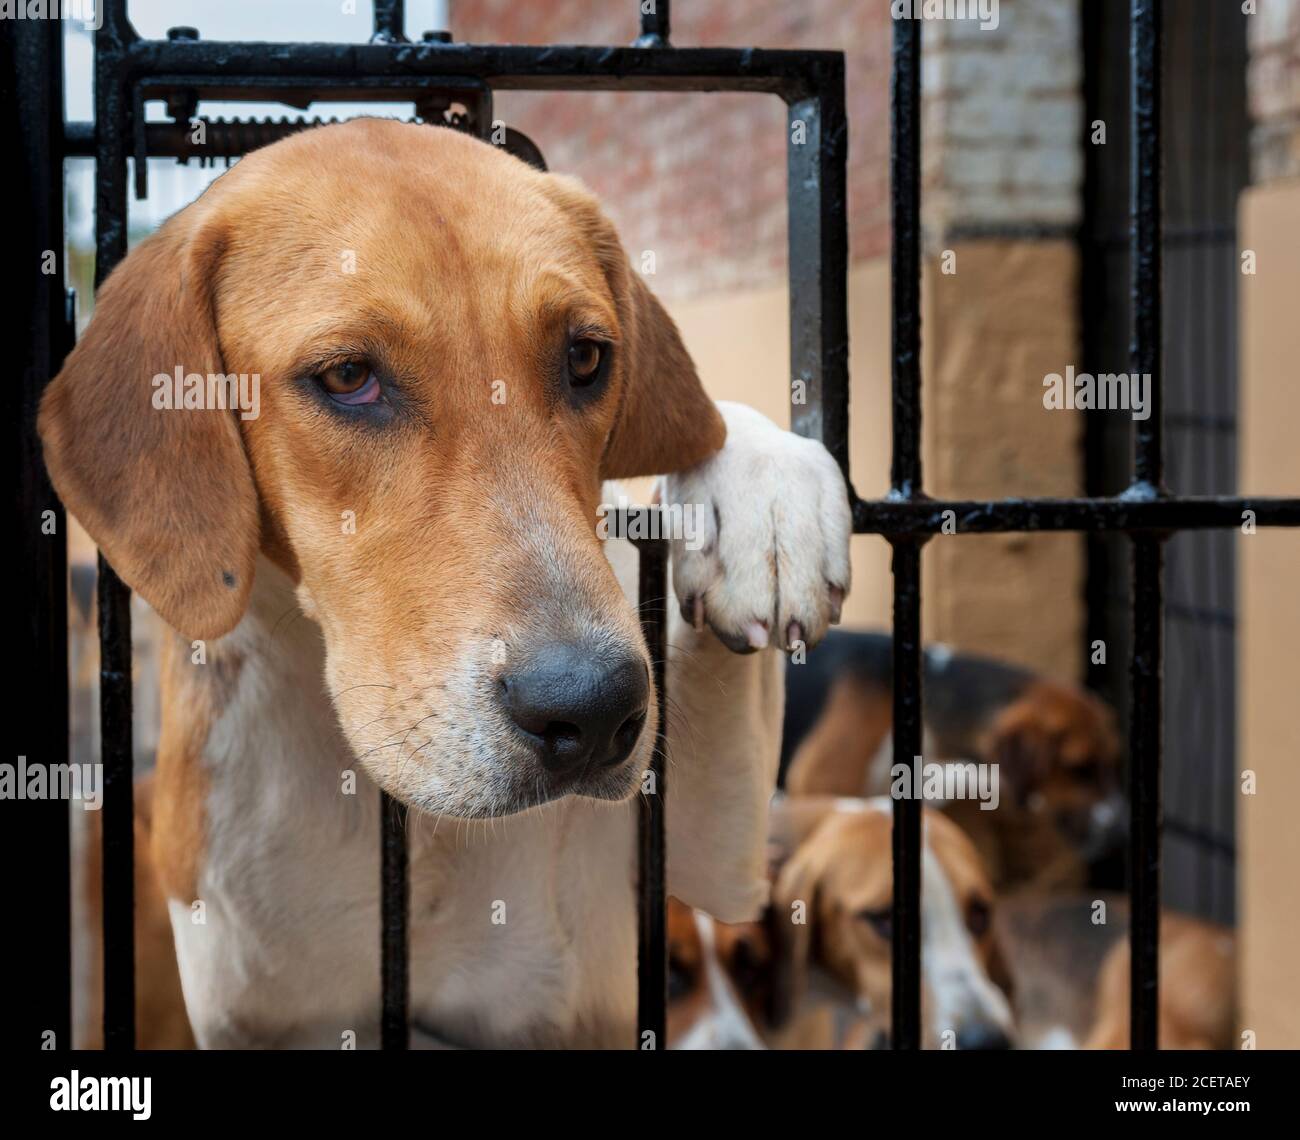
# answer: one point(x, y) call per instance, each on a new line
point(581, 710)
point(982, 1035)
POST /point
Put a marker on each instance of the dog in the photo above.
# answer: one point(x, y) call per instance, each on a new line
point(1056, 748)
point(388, 574)
point(1069, 957)
point(1196, 1002)
point(816, 975)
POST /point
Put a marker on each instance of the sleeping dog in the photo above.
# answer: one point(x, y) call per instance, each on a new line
point(816, 974)
point(1055, 746)
point(387, 574)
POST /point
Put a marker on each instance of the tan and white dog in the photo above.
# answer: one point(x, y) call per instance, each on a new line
point(816, 975)
point(389, 576)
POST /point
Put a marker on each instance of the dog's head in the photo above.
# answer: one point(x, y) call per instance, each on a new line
point(719, 975)
point(831, 911)
point(452, 352)
point(1057, 747)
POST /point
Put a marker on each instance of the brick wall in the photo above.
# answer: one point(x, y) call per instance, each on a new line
point(700, 178)
point(1273, 83)
point(1003, 120)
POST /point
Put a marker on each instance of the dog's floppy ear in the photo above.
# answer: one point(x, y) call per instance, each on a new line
point(665, 421)
point(791, 918)
point(165, 492)
point(1019, 741)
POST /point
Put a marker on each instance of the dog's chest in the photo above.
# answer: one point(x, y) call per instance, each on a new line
point(547, 898)
point(289, 951)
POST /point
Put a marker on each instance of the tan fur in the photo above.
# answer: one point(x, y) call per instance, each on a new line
point(833, 758)
point(161, 1021)
point(1057, 749)
point(841, 868)
point(1197, 995)
point(249, 280)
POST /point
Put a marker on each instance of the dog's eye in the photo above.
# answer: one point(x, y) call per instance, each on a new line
point(585, 356)
point(881, 921)
point(681, 980)
point(1086, 773)
point(351, 382)
point(979, 917)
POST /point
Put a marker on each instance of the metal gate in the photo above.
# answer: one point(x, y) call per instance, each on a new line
point(436, 76)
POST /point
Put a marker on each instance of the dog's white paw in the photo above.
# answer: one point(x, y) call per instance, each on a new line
point(769, 561)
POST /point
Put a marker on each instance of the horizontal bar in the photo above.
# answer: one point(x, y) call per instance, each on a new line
point(790, 74)
point(1002, 516)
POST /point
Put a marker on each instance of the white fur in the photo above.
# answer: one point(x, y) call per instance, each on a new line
point(288, 954)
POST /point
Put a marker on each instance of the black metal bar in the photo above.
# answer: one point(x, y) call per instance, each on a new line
point(905, 960)
point(112, 107)
point(1145, 751)
point(118, 868)
point(652, 920)
point(1147, 668)
point(394, 907)
point(790, 74)
point(817, 147)
point(905, 480)
point(905, 258)
point(977, 516)
point(655, 23)
point(34, 833)
point(390, 21)
point(1146, 217)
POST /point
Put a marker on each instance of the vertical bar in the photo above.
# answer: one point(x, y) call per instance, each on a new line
point(114, 598)
point(1146, 217)
point(390, 21)
point(1146, 676)
point(1146, 670)
point(817, 155)
point(118, 865)
point(394, 905)
point(652, 919)
point(35, 832)
point(655, 23)
point(905, 477)
point(905, 257)
point(905, 961)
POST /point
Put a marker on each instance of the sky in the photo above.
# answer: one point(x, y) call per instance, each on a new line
point(172, 186)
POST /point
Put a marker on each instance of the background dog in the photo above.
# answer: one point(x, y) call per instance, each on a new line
point(1055, 745)
point(816, 975)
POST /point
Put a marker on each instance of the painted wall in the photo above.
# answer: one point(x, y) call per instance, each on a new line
point(1269, 622)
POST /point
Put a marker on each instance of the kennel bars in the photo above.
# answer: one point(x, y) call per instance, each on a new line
point(453, 83)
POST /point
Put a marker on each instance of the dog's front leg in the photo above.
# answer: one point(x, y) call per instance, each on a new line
point(764, 566)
